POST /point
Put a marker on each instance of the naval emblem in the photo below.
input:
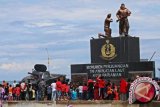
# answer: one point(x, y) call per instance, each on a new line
point(108, 51)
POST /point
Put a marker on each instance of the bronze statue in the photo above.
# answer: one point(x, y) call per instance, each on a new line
point(122, 16)
point(107, 28)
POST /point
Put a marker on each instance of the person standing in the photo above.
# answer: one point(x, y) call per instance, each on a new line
point(122, 15)
point(10, 97)
point(59, 89)
point(23, 90)
point(6, 88)
point(63, 89)
point(80, 88)
point(123, 89)
point(67, 91)
point(90, 89)
point(96, 91)
point(1, 92)
point(14, 84)
point(18, 92)
point(49, 92)
point(85, 89)
point(102, 84)
point(53, 86)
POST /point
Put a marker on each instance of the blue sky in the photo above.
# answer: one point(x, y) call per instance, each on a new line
point(64, 27)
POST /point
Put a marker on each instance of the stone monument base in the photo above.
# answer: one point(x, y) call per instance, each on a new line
point(112, 71)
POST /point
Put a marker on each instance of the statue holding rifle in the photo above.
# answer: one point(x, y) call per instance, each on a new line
point(122, 16)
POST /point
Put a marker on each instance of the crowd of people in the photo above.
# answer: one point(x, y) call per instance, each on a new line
point(98, 89)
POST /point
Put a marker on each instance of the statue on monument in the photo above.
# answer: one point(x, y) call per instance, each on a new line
point(107, 28)
point(122, 15)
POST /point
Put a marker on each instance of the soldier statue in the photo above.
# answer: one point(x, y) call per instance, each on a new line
point(107, 28)
point(122, 15)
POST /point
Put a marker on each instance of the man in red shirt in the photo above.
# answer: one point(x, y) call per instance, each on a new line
point(59, 89)
point(102, 84)
point(63, 89)
point(90, 89)
point(123, 89)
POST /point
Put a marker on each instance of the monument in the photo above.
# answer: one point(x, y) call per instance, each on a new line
point(114, 57)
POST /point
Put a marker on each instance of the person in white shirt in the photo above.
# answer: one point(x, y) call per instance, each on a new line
point(14, 83)
point(80, 88)
point(53, 86)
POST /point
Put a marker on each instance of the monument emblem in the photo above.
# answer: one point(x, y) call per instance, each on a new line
point(108, 51)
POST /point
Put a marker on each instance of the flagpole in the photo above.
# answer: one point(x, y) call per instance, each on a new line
point(48, 58)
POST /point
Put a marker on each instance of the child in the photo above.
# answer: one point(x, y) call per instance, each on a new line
point(10, 97)
point(74, 95)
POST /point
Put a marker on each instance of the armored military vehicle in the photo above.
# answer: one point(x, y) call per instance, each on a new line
point(40, 73)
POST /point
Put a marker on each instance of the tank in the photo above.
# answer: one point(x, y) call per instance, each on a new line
point(40, 73)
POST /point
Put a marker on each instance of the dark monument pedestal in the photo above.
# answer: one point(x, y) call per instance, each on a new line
point(113, 58)
point(117, 49)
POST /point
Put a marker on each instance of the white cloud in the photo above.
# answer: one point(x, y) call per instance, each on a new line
point(32, 27)
point(35, 12)
point(61, 29)
point(16, 67)
point(39, 24)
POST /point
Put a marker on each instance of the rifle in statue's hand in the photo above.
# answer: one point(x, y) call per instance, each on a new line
point(120, 19)
point(117, 20)
point(123, 17)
